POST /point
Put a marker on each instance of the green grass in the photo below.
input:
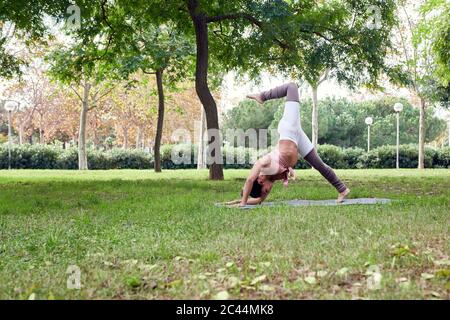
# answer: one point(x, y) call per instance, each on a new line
point(141, 235)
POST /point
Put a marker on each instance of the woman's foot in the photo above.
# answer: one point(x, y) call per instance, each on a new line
point(256, 97)
point(342, 196)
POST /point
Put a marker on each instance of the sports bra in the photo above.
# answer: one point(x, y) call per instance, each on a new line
point(284, 170)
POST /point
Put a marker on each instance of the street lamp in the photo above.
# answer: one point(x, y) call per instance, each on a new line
point(10, 106)
point(398, 107)
point(369, 122)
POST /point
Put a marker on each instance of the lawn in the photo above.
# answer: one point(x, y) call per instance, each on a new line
point(141, 235)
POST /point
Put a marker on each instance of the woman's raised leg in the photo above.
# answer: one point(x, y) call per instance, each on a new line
point(289, 90)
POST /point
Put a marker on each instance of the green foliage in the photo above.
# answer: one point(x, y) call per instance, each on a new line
point(385, 157)
point(442, 158)
point(29, 156)
point(27, 18)
point(335, 36)
point(249, 115)
point(332, 156)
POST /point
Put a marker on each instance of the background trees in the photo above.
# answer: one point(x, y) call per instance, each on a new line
point(306, 40)
point(419, 59)
point(342, 121)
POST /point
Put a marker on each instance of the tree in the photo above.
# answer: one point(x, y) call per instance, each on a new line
point(156, 51)
point(433, 31)
point(416, 68)
point(90, 80)
point(348, 41)
point(24, 20)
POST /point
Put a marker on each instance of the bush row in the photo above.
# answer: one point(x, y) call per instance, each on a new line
point(185, 156)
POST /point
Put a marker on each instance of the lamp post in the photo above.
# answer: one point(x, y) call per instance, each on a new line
point(398, 107)
point(10, 106)
point(369, 122)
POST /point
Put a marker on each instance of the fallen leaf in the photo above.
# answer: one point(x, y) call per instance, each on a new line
point(342, 272)
point(222, 295)
point(427, 276)
point(322, 273)
point(443, 262)
point(266, 287)
point(258, 279)
point(233, 282)
point(310, 280)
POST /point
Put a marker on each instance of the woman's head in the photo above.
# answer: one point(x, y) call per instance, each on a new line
point(261, 186)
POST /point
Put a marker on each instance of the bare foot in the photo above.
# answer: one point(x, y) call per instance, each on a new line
point(342, 196)
point(256, 97)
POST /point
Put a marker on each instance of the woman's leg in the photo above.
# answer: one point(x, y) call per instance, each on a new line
point(316, 162)
point(288, 90)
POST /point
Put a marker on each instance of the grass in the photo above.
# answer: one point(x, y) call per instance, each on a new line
point(141, 235)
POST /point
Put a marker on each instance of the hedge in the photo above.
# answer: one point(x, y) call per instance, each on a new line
point(51, 157)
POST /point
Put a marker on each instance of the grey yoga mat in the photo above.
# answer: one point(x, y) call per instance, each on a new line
point(305, 203)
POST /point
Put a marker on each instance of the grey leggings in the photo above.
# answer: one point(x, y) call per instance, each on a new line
point(290, 91)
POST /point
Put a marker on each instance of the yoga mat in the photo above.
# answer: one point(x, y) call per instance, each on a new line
point(307, 203)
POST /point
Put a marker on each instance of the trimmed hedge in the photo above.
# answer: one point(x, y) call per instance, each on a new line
point(185, 156)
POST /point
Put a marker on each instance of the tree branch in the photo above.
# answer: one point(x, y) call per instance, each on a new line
point(76, 92)
point(248, 17)
point(96, 100)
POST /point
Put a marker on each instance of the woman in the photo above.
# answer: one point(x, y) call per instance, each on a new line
point(278, 164)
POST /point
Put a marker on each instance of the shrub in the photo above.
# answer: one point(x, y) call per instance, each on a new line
point(332, 156)
point(442, 158)
point(385, 157)
point(125, 159)
point(52, 157)
point(29, 157)
point(352, 157)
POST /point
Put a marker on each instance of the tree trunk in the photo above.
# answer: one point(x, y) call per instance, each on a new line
point(21, 134)
point(201, 85)
point(41, 132)
point(125, 138)
point(138, 137)
point(315, 117)
point(82, 153)
point(159, 126)
point(422, 130)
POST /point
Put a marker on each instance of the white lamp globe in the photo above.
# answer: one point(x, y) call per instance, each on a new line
point(10, 106)
point(398, 107)
point(369, 121)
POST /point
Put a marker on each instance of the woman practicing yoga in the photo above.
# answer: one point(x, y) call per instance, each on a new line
point(278, 164)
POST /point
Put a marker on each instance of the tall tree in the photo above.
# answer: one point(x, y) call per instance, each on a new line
point(158, 51)
point(348, 41)
point(90, 80)
point(416, 68)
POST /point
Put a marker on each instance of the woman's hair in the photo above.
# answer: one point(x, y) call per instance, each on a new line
point(256, 190)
